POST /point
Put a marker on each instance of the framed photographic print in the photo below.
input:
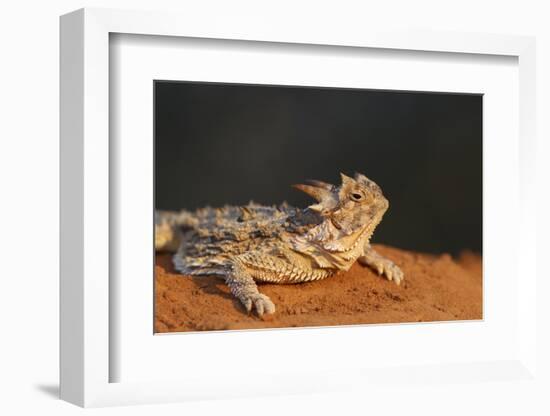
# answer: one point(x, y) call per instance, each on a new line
point(220, 143)
point(313, 211)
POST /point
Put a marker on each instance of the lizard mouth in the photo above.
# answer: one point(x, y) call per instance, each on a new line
point(351, 244)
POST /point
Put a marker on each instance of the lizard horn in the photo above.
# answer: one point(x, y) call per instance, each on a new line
point(346, 180)
point(317, 192)
point(320, 184)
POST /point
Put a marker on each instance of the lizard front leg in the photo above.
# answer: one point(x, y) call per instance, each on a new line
point(381, 264)
point(244, 288)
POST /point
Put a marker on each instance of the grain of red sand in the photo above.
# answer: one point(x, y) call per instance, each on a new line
point(436, 288)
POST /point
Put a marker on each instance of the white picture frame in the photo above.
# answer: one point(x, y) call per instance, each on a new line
point(86, 353)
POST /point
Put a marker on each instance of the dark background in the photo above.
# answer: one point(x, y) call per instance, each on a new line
point(219, 144)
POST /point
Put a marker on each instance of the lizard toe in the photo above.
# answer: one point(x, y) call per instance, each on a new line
point(247, 303)
point(398, 275)
point(394, 273)
point(263, 305)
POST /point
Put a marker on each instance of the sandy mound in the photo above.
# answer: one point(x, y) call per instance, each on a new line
point(436, 288)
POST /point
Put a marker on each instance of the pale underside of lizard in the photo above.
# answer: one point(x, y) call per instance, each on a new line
point(279, 244)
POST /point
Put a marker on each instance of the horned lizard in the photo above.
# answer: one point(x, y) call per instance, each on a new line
point(279, 244)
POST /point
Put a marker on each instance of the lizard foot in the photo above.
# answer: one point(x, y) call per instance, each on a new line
point(385, 267)
point(260, 302)
point(389, 269)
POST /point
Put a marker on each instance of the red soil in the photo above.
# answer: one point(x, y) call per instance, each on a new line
point(436, 288)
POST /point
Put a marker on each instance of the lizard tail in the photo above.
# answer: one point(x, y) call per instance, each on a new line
point(168, 228)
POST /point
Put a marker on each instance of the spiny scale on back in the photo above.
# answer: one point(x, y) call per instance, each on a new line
point(280, 244)
point(210, 237)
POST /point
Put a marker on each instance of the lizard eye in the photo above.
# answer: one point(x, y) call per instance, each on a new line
point(356, 196)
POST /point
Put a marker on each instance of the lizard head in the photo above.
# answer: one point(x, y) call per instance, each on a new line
point(356, 205)
point(349, 214)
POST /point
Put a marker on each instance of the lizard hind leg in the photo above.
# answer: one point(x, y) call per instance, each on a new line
point(244, 288)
